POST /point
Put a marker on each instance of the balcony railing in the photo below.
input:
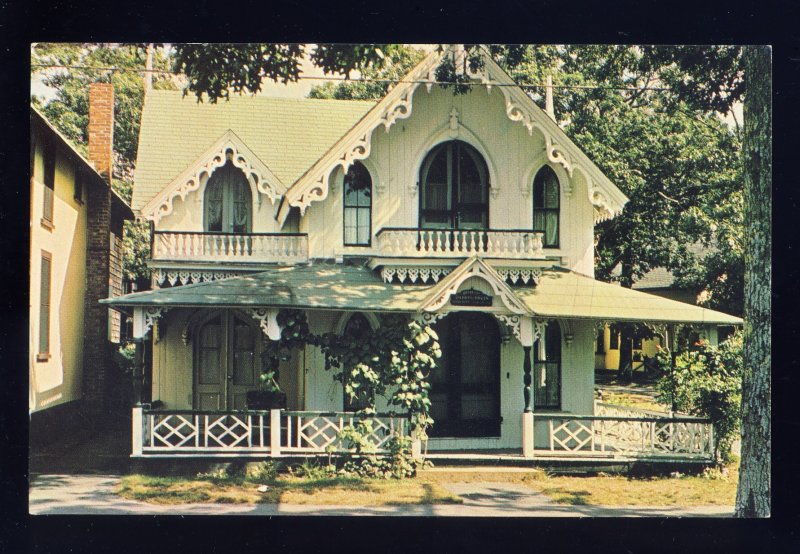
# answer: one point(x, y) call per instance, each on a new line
point(230, 247)
point(456, 243)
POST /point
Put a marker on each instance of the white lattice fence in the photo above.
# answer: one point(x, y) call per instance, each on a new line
point(314, 432)
point(648, 436)
point(205, 431)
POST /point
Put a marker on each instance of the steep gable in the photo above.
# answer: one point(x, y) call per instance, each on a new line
point(288, 135)
point(312, 186)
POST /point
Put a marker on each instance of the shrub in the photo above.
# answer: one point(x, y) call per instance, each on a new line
point(261, 472)
point(707, 382)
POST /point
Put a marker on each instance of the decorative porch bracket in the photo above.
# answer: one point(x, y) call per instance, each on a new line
point(268, 319)
point(145, 318)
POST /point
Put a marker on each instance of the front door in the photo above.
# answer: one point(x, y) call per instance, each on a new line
point(465, 385)
point(227, 362)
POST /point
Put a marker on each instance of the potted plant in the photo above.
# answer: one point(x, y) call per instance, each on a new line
point(269, 395)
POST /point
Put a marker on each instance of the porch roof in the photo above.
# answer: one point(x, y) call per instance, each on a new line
point(558, 294)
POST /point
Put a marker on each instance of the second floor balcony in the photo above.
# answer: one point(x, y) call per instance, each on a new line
point(460, 243)
point(174, 246)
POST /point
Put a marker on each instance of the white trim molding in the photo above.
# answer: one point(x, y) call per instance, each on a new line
point(144, 318)
point(397, 104)
point(268, 320)
point(472, 267)
point(526, 329)
point(193, 179)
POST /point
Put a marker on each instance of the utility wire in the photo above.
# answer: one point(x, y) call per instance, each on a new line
point(368, 80)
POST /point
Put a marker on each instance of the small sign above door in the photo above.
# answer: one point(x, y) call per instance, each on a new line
point(470, 297)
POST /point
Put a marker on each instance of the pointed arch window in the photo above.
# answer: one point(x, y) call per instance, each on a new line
point(454, 179)
point(227, 201)
point(546, 206)
point(357, 206)
point(547, 369)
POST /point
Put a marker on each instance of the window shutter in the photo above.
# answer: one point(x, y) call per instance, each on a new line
point(44, 304)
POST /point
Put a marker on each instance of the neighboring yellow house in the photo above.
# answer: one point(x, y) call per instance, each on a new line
point(76, 233)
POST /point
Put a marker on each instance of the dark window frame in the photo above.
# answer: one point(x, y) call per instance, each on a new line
point(80, 181)
point(49, 155)
point(552, 330)
point(227, 200)
point(456, 207)
point(348, 404)
point(600, 346)
point(45, 311)
point(539, 181)
point(359, 208)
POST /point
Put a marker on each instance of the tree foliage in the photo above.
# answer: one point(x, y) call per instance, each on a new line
point(68, 110)
point(707, 381)
point(397, 64)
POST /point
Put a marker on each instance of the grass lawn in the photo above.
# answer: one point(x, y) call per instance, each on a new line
point(430, 488)
point(633, 400)
point(284, 490)
point(614, 490)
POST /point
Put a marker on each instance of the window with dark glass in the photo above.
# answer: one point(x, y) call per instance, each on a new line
point(455, 188)
point(547, 369)
point(80, 178)
point(357, 328)
point(546, 206)
point(49, 162)
point(44, 305)
point(357, 206)
point(227, 201)
point(614, 343)
point(600, 349)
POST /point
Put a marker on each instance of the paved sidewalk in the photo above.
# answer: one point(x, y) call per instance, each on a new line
point(94, 494)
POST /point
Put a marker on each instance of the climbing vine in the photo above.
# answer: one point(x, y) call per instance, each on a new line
point(393, 361)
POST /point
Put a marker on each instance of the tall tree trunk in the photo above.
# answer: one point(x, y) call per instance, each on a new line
point(753, 493)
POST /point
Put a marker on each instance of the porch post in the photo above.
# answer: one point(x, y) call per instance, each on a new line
point(275, 433)
point(138, 374)
point(139, 330)
point(526, 338)
point(136, 431)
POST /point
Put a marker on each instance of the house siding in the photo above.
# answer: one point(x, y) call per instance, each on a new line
point(58, 379)
point(513, 157)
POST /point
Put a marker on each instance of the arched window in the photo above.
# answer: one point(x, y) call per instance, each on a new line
point(357, 206)
point(547, 369)
point(357, 328)
point(227, 201)
point(546, 206)
point(454, 181)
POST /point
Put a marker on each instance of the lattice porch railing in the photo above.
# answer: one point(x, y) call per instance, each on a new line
point(317, 432)
point(645, 436)
point(272, 433)
point(188, 431)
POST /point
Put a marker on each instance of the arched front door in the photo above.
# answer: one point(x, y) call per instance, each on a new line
point(465, 386)
point(227, 361)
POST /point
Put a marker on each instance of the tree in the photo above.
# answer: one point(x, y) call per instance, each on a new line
point(397, 64)
point(68, 110)
point(753, 493)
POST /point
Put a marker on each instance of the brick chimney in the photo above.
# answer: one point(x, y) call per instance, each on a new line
point(97, 350)
point(101, 128)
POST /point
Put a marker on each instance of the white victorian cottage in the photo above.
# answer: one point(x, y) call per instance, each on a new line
point(474, 213)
